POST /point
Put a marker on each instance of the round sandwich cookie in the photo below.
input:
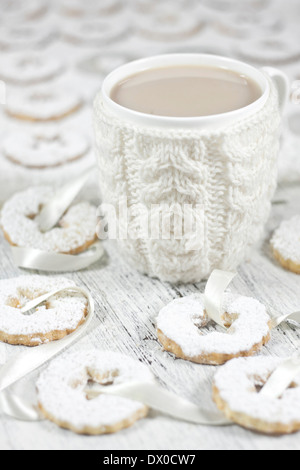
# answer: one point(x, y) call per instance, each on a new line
point(90, 8)
point(74, 233)
point(273, 49)
point(18, 10)
point(185, 330)
point(45, 148)
point(94, 32)
point(21, 36)
point(43, 104)
point(286, 244)
point(56, 318)
point(62, 392)
point(236, 391)
point(166, 24)
point(29, 69)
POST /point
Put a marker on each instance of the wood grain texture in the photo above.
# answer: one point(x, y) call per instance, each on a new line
point(127, 304)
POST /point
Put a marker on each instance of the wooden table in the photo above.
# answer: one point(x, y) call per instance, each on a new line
point(127, 304)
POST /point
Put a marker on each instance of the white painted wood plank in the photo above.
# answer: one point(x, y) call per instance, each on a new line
point(127, 304)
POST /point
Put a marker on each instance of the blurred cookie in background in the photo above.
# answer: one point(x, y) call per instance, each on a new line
point(43, 104)
point(247, 24)
point(94, 32)
point(79, 8)
point(17, 177)
point(167, 23)
point(45, 148)
point(275, 50)
point(104, 63)
point(19, 10)
point(27, 35)
point(29, 68)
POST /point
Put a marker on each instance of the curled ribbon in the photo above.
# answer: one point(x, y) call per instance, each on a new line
point(18, 408)
point(159, 399)
point(21, 365)
point(30, 258)
point(165, 402)
point(282, 378)
point(295, 316)
point(150, 393)
point(57, 206)
point(214, 295)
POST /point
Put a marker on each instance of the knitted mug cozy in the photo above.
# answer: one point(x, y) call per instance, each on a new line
point(223, 181)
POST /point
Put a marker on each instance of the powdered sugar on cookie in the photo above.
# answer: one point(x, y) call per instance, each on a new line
point(286, 244)
point(181, 329)
point(45, 149)
point(43, 104)
point(236, 392)
point(28, 69)
point(20, 36)
point(18, 10)
point(53, 320)
point(76, 231)
point(94, 31)
point(62, 397)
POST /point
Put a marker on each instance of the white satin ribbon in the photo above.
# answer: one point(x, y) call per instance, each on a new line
point(57, 206)
point(151, 394)
point(30, 258)
point(214, 294)
point(159, 399)
point(25, 363)
point(295, 316)
point(18, 408)
point(282, 378)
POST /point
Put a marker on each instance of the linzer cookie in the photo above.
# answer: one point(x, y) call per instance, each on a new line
point(270, 50)
point(62, 395)
point(94, 32)
point(236, 392)
point(75, 232)
point(286, 244)
point(29, 69)
point(185, 330)
point(90, 8)
point(43, 104)
point(16, 10)
point(165, 24)
point(45, 148)
point(59, 316)
point(21, 36)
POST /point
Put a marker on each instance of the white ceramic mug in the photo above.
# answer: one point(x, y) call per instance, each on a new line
point(225, 164)
point(205, 122)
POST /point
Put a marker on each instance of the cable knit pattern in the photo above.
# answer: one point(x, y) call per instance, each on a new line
point(231, 172)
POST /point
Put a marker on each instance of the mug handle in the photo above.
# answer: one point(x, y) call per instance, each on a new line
point(282, 84)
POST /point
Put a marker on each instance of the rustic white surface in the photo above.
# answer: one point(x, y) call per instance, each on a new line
point(127, 302)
